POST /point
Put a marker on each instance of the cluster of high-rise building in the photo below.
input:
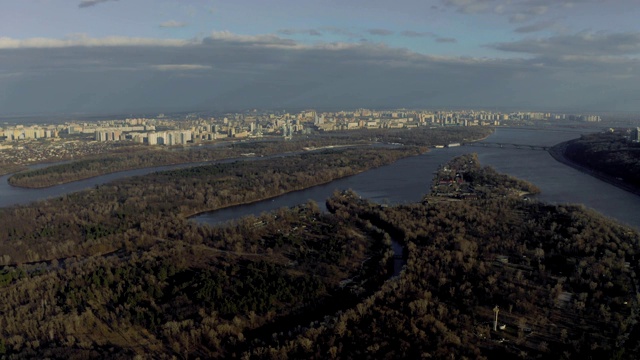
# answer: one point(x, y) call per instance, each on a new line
point(166, 138)
point(21, 132)
point(109, 135)
point(195, 128)
point(255, 124)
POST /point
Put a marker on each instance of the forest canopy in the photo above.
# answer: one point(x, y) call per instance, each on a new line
point(119, 271)
point(608, 153)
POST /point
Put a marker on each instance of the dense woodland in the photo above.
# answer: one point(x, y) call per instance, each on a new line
point(608, 153)
point(119, 271)
point(464, 178)
point(564, 279)
point(205, 295)
point(126, 250)
point(140, 210)
point(158, 156)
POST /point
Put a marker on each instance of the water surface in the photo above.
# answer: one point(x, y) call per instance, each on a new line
point(407, 180)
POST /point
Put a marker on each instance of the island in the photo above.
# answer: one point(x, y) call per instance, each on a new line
point(120, 271)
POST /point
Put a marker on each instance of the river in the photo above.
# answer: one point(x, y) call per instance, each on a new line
point(11, 195)
point(407, 180)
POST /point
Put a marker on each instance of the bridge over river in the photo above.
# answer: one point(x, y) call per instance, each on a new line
point(507, 145)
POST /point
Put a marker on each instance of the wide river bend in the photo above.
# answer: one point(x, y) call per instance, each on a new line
point(407, 180)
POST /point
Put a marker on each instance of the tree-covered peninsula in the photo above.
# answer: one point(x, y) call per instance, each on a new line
point(120, 271)
point(143, 157)
point(610, 156)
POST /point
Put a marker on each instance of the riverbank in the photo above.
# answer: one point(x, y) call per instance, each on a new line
point(172, 166)
point(292, 191)
point(558, 151)
point(10, 169)
point(482, 138)
point(108, 164)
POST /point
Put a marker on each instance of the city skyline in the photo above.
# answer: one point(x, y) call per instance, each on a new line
point(111, 56)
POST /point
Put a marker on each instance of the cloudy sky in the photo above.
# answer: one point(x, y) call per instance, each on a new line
point(114, 56)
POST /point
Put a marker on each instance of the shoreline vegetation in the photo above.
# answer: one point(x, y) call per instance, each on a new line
point(102, 165)
point(120, 271)
point(463, 178)
point(119, 205)
point(10, 169)
point(327, 181)
point(579, 162)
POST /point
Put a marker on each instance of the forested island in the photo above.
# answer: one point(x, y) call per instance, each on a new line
point(110, 216)
point(120, 271)
point(463, 178)
point(610, 156)
point(140, 157)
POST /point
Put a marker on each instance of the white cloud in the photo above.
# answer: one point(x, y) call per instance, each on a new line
point(43, 43)
point(581, 44)
point(89, 3)
point(518, 18)
point(4, 75)
point(231, 71)
point(181, 67)
point(535, 27)
point(410, 33)
point(470, 6)
point(446, 40)
point(380, 32)
point(538, 10)
point(267, 40)
point(312, 32)
point(173, 24)
point(340, 31)
point(522, 11)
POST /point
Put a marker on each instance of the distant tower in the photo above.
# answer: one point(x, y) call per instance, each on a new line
point(152, 138)
point(287, 131)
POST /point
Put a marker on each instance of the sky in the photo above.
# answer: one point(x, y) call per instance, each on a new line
point(120, 56)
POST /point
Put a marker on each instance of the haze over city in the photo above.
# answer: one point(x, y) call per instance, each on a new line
point(111, 56)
